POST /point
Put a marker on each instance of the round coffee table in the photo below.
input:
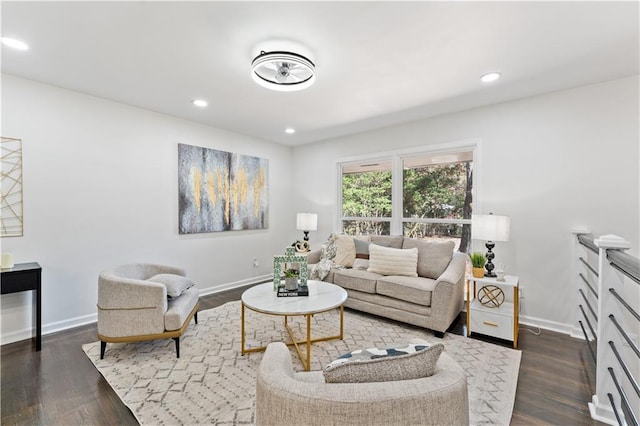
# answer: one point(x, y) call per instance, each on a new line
point(322, 297)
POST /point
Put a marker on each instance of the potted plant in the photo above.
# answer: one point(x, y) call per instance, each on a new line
point(477, 262)
point(291, 279)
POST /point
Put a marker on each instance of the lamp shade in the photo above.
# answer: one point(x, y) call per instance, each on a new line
point(307, 221)
point(489, 227)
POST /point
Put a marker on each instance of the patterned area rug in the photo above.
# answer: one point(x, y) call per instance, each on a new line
point(212, 383)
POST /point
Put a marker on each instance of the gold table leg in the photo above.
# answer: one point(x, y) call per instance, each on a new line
point(468, 308)
point(242, 330)
point(305, 359)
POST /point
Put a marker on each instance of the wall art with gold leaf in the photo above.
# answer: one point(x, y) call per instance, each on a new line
point(11, 218)
point(221, 191)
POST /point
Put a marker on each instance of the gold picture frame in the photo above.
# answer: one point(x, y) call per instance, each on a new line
point(11, 217)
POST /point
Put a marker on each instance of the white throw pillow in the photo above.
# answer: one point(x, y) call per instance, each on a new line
point(176, 284)
point(392, 261)
point(345, 250)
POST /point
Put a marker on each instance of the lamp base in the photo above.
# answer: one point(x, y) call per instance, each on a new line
point(489, 266)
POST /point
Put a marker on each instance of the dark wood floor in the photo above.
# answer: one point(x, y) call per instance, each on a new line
point(60, 386)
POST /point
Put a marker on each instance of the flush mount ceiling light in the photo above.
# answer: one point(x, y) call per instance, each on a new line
point(289, 130)
point(200, 103)
point(283, 71)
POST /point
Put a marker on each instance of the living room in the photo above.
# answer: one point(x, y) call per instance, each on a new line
point(101, 187)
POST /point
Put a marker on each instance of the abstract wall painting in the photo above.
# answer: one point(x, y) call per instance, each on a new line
point(11, 181)
point(221, 191)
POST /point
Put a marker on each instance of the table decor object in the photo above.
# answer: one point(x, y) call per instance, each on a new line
point(289, 257)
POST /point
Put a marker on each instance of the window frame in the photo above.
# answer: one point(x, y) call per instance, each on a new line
point(397, 219)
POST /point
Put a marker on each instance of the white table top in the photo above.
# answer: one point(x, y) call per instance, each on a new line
point(322, 297)
point(509, 280)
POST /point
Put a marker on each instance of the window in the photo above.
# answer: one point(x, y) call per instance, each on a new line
point(366, 197)
point(436, 197)
point(424, 195)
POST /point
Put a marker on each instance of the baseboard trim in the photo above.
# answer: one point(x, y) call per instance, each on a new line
point(558, 327)
point(600, 412)
point(236, 284)
point(55, 327)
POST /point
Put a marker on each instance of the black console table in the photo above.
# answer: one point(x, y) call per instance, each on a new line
point(26, 277)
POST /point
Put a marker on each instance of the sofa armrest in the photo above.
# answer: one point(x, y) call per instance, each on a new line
point(314, 256)
point(447, 299)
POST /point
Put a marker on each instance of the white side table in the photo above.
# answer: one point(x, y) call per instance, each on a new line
point(501, 321)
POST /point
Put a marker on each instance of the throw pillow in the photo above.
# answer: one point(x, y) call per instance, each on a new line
point(433, 256)
point(345, 250)
point(328, 249)
point(176, 284)
point(361, 264)
point(404, 362)
point(362, 246)
point(391, 261)
point(362, 249)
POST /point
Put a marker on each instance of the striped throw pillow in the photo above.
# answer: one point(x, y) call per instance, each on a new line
point(391, 261)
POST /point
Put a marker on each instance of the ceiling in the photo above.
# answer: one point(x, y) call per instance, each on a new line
point(377, 63)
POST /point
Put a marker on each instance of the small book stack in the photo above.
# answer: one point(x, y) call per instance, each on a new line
point(300, 291)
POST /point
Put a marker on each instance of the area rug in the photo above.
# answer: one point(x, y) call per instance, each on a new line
point(211, 383)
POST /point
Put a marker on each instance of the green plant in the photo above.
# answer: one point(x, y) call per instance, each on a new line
point(291, 273)
point(478, 259)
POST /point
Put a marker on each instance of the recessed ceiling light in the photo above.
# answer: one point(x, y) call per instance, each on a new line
point(489, 77)
point(16, 44)
point(290, 130)
point(200, 103)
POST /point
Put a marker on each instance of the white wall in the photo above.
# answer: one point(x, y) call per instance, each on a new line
point(549, 162)
point(100, 189)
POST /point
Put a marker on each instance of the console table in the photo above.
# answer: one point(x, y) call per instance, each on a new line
point(26, 277)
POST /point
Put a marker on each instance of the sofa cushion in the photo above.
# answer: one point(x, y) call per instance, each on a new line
point(356, 279)
point(175, 284)
point(391, 261)
point(416, 290)
point(345, 250)
point(393, 241)
point(433, 256)
point(402, 362)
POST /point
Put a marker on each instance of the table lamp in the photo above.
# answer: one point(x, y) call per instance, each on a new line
point(307, 222)
point(490, 228)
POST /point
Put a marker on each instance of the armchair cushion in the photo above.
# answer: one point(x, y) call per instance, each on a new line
point(175, 284)
point(403, 362)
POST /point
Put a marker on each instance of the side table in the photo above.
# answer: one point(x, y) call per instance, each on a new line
point(502, 321)
point(26, 277)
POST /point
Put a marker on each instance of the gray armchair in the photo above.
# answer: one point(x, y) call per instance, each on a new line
point(284, 397)
point(131, 309)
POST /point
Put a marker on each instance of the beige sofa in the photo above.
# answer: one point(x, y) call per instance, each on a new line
point(284, 397)
point(432, 300)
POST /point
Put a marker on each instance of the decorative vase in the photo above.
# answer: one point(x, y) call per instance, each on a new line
point(291, 283)
point(478, 272)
